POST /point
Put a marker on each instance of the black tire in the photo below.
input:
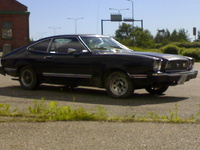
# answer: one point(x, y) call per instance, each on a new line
point(28, 78)
point(119, 85)
point(157, 89)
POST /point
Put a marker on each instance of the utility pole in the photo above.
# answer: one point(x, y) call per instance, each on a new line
point(132, 11)
point(75, 20)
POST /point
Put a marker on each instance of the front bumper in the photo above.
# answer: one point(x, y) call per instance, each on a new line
point(163, 78)
point(174, 78)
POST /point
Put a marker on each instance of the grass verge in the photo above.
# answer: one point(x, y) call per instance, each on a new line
point(43, 112)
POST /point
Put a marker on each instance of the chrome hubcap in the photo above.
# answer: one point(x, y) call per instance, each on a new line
point(27, 78)
point(118, 86)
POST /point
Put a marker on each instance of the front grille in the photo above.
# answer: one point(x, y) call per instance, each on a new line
point(178, 65)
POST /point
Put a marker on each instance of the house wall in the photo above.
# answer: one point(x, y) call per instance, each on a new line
point(14, 24)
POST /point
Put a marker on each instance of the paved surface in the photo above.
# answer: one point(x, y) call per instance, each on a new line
point(102, 135)
point(99, 136)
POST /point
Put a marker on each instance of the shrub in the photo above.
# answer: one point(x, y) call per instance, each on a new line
point(194, 53)
point(181, 50)
point(187, 44)
point(170, 49)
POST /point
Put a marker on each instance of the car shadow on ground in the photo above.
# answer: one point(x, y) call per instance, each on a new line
point(85, 95)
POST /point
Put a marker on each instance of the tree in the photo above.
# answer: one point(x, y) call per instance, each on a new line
point(139, 37)
point(174, 36)
point(136, 36)
point(143, 38)
point(124, 34)
point(198, 36)
point(183, 35)
point(164, 37)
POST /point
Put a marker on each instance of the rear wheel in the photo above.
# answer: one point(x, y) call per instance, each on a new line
point(157, 89)
point(119, 85)
point(28, 78)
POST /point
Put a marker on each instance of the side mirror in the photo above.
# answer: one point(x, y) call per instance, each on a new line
point(71, 50)
point(77, 53)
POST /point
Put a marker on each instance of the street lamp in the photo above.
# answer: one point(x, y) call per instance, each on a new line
point(132, 10)
point(119, 10)
point(54, 28)
point(75, 20)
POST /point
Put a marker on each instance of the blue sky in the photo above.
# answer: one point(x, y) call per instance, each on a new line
point(156, 14)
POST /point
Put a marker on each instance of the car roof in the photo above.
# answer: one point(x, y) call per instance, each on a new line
point(81, 35)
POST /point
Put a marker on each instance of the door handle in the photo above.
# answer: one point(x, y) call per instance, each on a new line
point(47, 57)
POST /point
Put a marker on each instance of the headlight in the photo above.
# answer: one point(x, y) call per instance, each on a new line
point(191, 63)
point(157, 64)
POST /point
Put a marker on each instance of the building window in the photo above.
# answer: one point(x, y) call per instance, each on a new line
point(7, 30)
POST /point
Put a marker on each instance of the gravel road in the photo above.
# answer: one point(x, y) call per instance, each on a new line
point(102, 135)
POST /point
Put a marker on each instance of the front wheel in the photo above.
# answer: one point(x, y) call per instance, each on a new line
point(28, 78)
point(157, 89)
point(119, 85)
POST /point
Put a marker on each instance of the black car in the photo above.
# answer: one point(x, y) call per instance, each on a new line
point(98, 61)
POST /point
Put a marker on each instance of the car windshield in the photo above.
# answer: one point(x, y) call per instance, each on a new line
point(103, 43)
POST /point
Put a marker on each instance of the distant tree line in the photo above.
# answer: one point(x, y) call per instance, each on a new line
point(138, 37)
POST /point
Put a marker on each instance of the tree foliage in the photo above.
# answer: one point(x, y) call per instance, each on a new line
point(124, 34)
point(136, 36)
point(198, 36)
point(139, 37)
point(163, 36)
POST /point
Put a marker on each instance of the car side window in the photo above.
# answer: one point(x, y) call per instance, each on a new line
point(41, 46)
point(66, 45)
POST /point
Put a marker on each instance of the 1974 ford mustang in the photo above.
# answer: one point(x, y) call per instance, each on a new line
point(98, 61)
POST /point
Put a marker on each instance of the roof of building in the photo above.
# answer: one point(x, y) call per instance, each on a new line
point(12, 5)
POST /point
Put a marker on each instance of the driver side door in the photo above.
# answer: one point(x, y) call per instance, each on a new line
point(67, 57)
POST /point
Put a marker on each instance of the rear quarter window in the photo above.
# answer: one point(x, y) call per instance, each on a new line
point(40, 46)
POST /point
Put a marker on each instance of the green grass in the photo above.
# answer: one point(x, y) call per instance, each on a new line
point(44, 112)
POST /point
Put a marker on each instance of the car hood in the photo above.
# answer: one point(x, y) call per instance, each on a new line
point(150, 54)
point(163, 56)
